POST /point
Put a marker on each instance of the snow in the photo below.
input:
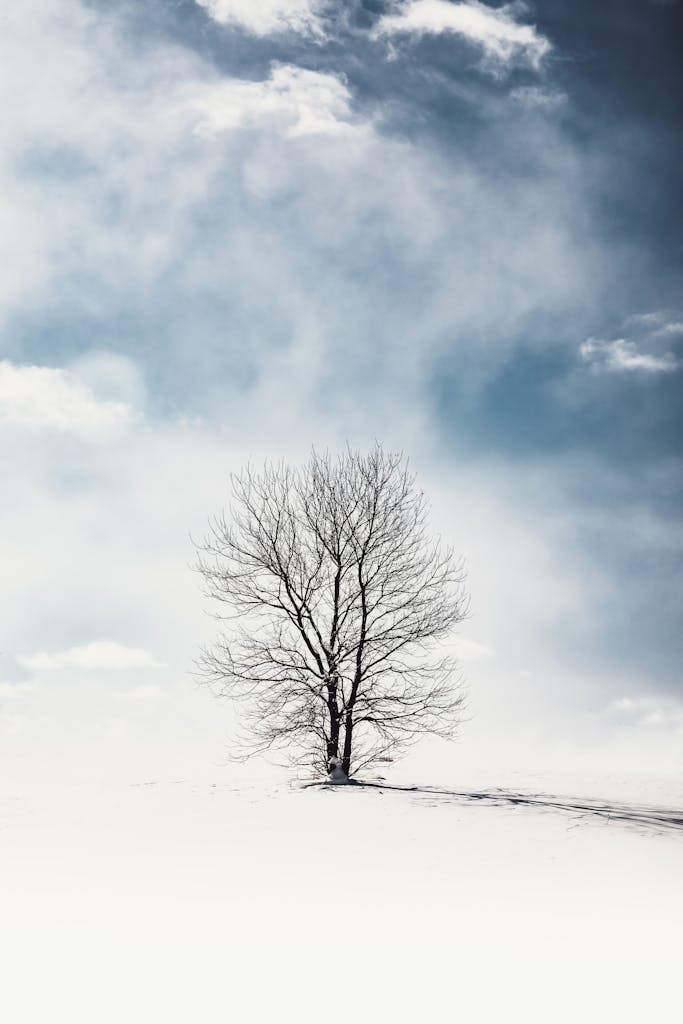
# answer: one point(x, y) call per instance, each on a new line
point(234, 895)
point(336, 775)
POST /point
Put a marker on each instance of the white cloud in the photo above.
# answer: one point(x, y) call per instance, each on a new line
point(13, 725)
point(101, 654)
point(268, 17)
point(56, 399)
point(664, 712)
point(145, 695)
point(503, 40)
point(303, 102)
point(674, 327)
point(111, 376)
point(621, 355)
point(470, 650)
point(660, 323)
point(156, 210)
point(650, 319)
point(533, 97)
point(13, 690)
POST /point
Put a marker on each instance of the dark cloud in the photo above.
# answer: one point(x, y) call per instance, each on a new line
point(595, 132)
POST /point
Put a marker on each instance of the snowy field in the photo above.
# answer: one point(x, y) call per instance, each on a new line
point(243, 896)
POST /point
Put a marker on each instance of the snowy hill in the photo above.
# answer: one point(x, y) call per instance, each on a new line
point(244, 898)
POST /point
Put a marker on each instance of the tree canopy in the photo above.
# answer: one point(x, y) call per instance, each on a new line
point(333, 599)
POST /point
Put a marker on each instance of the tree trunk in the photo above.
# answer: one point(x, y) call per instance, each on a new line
point(348, 742)
point(333, 744)
point(335, 719)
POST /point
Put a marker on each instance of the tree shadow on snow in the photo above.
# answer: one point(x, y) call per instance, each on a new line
point(643, 817)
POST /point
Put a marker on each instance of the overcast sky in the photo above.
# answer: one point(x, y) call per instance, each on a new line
point(233, 229)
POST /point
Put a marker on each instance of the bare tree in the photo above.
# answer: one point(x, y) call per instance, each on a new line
point(335, 600)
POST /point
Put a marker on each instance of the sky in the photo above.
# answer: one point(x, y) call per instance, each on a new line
point(234, 230)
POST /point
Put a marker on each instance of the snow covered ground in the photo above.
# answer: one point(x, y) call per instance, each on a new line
point(237, 895)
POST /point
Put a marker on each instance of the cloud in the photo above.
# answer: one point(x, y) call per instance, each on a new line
point(673, 328)
point(651, 319)
point(145, 694)
point(649, 711)
point(658, 322)
point(255, 233)
point(100, 654)
point(268, 17)
point(470, 650)
point(12, 690)
point(122, 535)
point(621, 355)
point(55, 399)
point(494, 30)
point(290, 274)
point(111, 376)
point(13, 725)
point(11, 672)
point(303, 102)
point(533, 97)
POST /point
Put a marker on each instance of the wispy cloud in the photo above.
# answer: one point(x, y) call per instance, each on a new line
point(663, 712)
point(189, 189)
point(268, 17)
point(534, 97)
point(503, 40)
point(300, 101)
point(674, 328)
point(56, 399)
point(145, 695)
point(650, 319)
point(471, 650)
point(100, 654)
point(658, 322)
point(621, 355)
point(13, 690)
